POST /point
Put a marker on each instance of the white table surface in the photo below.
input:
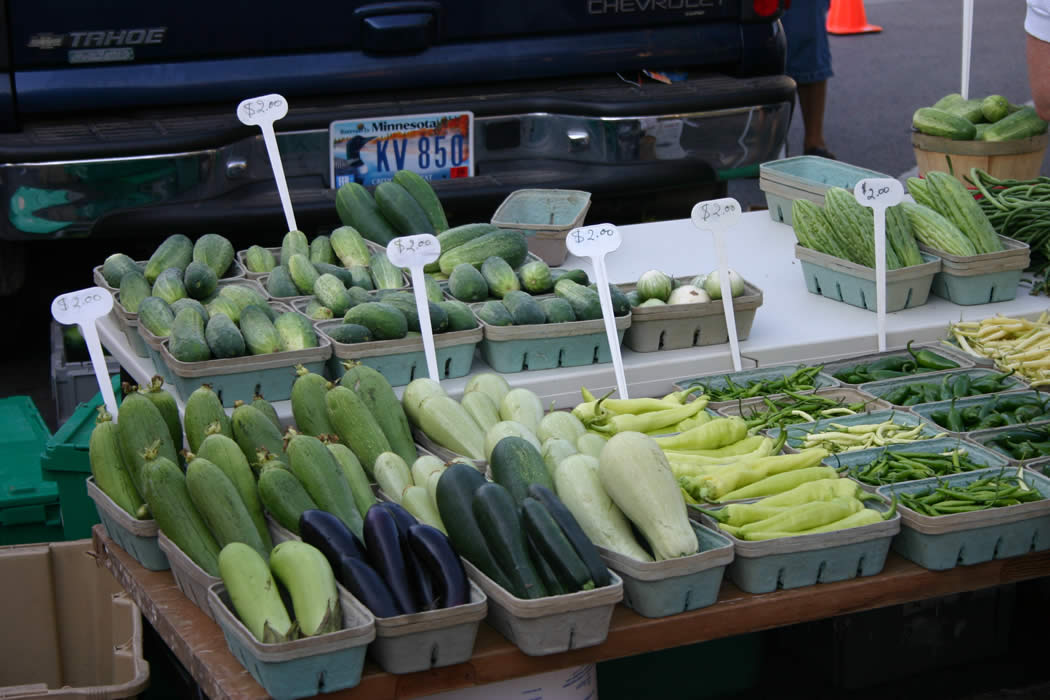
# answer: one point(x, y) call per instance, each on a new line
point(792, 325)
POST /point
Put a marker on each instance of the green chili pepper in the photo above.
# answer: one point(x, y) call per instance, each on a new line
point(930, 360)
point(955, 421)
point(961, 386)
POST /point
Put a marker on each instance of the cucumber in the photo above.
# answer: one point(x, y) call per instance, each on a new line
point(295, 331)
point(142, 427)
point(1021, 124)
point(356, 426)
point(156, 316)
point(354, 473)
point(219, 503)
point(584, 300)
point(433, 289)
point(349, 246)
point(254, 594)
point(303, 273)
point(379, 398)
point(535, 277)
point(176, 516)
point(215, 251)
point(554, 547)
point(454, 495)
point(384, 321)
point(199, 281)
point(356, 207)
point(466, 283)
point(203, 408)
point(321, 250)
point(108, 466)
point(360, 278)
point(938, 122)
point(165, 403)
point(516, 464)
point(242, 295)
point(317, 311)
point(557, 310)
point(294, 243)
point(421, 191)
point(496, 513)
point(331, 292)
point(284, 496)
point(116, 266)
point(223, 337)
point(307, 576)
point(253, 430)
point(509, 245)
point(524, 310)
point(260, 335)
point(399, 208)
point(495, 313)
point(575, 274)
point(499, 276)
point(174, 251)
point(308, 403)
point(169, 285)
point(322, 477)
point(385, 274)
point(216, 305)
point(279, 283)
point(134, 288)
point(995, 107)
point(458, 235)
point(259, 259)
point(460, 317)
point(224, 453)
point(350, 333)
point(187, 341)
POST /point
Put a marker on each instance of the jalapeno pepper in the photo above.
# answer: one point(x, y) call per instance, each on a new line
point(955, 421)
point(961, 386)
point(945, 389)
point(898, 396)
point(929, 359)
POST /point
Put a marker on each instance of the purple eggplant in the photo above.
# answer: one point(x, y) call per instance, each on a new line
point(329, 533)
point(365, 584)
point(419, 577)
point(383, 544)
point(434, 550)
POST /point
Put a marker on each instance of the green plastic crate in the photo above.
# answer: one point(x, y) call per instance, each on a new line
point(29, 510)
point(65, 462)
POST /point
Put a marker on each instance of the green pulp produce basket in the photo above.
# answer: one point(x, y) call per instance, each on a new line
point(796, 433)
point(722, 380)
point(662, 588)
point(942, 351)
point(139, 538)
point(65, 461)
point(981, 279)
point(805, 177)
point(927, 410)
point(29, 507)
point(853, 284)
point(945, 541)
point(884, 387)
point(304, 667)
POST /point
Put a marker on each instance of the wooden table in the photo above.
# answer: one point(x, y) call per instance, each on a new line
point(199, 644)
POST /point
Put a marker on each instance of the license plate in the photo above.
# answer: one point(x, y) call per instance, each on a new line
point(369, 151)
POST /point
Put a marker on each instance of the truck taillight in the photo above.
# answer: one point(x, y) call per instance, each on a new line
point(765, 8)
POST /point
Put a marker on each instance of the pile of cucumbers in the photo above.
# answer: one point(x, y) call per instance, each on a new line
point(179, 267)
point(393, 314)
point(992, 118)
point(402, 206)
point(573, 300)
point(495, 277)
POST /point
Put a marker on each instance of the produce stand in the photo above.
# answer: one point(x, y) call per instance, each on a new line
point(199, 645)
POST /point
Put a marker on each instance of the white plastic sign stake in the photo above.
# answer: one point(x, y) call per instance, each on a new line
point(967, 44)
point(719, 216)
point(83, 308)
point(263, 112)
point(879, 193)
point(595, 242)
point(414, 252)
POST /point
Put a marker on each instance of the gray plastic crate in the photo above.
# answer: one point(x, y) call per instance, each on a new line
point(136, 537)
point(430, 639)
point(304, 667)
point(854, 460)
point(927, 410)
point(884, 387)
point(797, 432)
point(510, 349)
point(853, 284)
point(403, 360)
point(72, 383)
point(553, 624)
point(191, 579)
point(945, 541)
point(805, 560)
point(720, 380)
point(662, 588)
point(957, 356)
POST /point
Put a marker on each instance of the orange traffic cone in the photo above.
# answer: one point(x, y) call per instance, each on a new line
point(847, 17)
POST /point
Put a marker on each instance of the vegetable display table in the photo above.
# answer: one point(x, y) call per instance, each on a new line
point(199, 645)
point(792, 325)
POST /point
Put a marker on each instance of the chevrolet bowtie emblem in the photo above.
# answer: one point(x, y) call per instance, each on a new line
point(46, 41)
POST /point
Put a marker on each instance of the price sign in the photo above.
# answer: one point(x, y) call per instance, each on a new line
point(414, 252)
point(595, 242)
point(879, 193)
point(719, 216)
point(263, 112)
point(83, 308)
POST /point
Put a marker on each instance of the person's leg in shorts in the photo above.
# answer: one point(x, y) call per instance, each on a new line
point(809, 64)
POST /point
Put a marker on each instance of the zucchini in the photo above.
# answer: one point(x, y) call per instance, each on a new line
point(165, 403)
point(516, 464)
point(254, 594)
point(307, 576)
point(379, 398)
point(219, 503)
point(308, 405)
point(509, 245)
point(496, 513)
point(253, 430)
point(555, 548)
point(203, 408)
point(423, 467)
point(550, 579)
point(581, 545)
point(560, 424)
point(176, 516)
point(224, 453)
point(421, 191)
point(454, 495)
point(321, 475)
point(284, 496)
point(555, 451)
point(267, 409)
point(418, 502)
point(490, 383)
point(415, 393)
point(399, 208)
point(356, 426)
point(481, 409)
point(507, 428)
point(108, 466)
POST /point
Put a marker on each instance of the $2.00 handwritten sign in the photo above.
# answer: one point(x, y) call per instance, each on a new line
point(83, 308)
point(414, 251)
point(258, 110)
point(590, 241)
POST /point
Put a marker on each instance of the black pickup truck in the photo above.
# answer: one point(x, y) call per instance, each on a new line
point(117, 119)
